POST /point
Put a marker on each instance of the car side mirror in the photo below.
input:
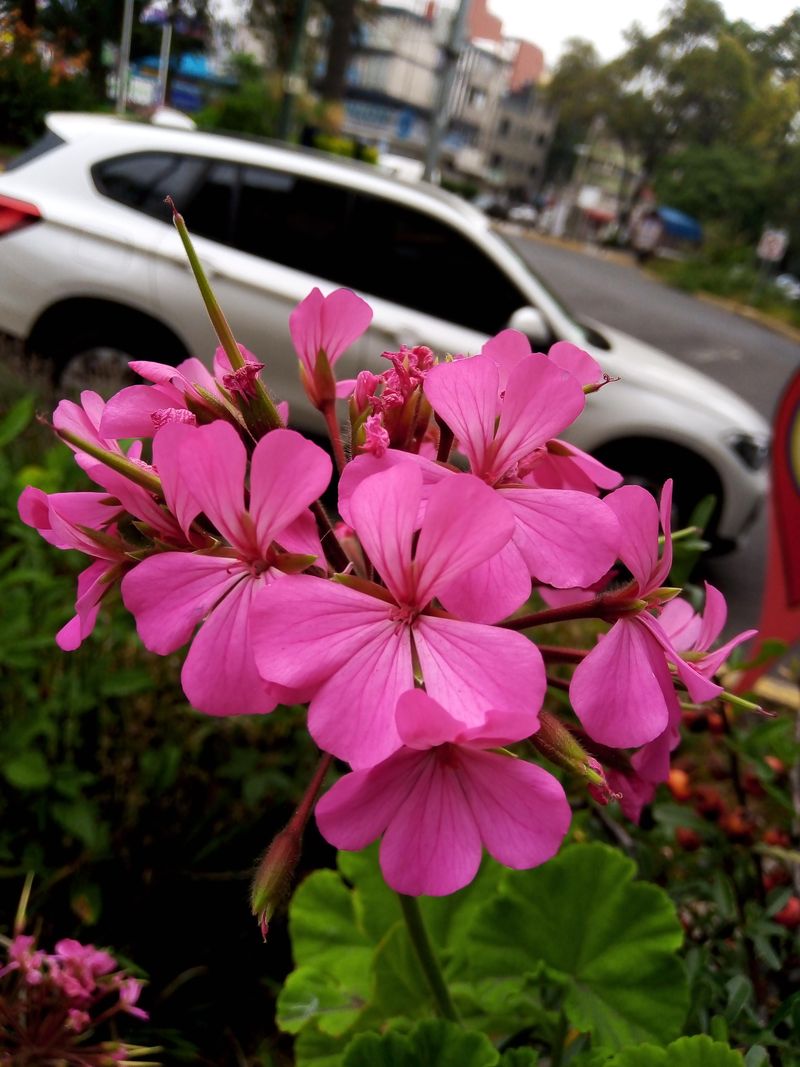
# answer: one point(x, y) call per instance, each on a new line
point(533, 324)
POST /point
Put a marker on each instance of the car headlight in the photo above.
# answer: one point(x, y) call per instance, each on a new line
point(752, 451)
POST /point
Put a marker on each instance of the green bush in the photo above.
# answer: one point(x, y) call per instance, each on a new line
point(28, 91)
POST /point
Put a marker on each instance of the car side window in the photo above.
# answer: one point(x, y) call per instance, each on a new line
point(143, 179)
point(411, 258)
point(292, 220)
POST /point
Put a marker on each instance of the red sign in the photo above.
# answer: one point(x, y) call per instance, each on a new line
point(780, 610)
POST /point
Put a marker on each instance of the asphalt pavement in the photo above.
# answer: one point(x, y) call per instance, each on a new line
point(749, 358)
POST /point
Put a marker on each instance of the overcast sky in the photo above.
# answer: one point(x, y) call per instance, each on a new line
point(549, 24)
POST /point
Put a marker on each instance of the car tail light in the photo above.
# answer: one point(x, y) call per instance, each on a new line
point(16, 214)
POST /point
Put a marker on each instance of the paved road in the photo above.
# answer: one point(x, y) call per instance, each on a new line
point(752, 360)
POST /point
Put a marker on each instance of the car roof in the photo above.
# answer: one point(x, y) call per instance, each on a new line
point(78, 126)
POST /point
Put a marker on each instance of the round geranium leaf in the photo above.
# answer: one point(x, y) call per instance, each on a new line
point(610, 941)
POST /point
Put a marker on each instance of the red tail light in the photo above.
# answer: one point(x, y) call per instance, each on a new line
point(16, 214)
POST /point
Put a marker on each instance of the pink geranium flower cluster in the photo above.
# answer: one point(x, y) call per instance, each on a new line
point(406, 628)
point(52, 1005)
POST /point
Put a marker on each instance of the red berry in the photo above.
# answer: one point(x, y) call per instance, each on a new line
point(688, 839)
point(789, 915)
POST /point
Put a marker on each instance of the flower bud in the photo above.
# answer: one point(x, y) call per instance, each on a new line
point(560, 746)
point(273, 879)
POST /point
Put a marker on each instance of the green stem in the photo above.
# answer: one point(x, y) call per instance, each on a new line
point(560, 1040)
point(334, 433)
point(427, 958)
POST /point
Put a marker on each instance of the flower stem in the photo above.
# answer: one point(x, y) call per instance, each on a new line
point(427, 958)
point(335, 435)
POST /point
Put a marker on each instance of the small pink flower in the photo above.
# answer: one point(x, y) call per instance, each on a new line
point(322, 328)
point(443, 796)
point(78, 1020)
point(623, 691)
point(130, 989)
point(171, 594)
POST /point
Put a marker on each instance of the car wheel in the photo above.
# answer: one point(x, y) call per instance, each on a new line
point(651, 463)
point(91, 350)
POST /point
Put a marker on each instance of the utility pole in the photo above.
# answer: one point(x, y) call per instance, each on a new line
point(124, 57)
point(441, 115)
point(293, 80)
point(163, 62)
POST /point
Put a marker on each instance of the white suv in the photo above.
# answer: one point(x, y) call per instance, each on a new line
point(93, 269)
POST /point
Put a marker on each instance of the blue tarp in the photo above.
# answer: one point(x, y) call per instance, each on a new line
point(678, 224)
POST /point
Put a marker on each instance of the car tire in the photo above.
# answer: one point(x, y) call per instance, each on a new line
point(650, 463)
point(91, 349)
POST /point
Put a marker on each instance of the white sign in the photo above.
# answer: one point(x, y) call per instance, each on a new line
point(773, 245)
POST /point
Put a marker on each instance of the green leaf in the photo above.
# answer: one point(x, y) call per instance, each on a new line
point(610, 941)
point(332, 982)
point(400, 986)
point(333, 998)
point(698, 1051)
point(757, 1056)
point(433, 1043)
point(28, 770)
point(80, 820)
point(740, 990)
point(312, 1048)
point(16, 420)
point(519, 1057)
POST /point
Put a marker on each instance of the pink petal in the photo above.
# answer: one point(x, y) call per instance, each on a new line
point(601, 475)
point(129, 413)
point(288, 473)
point(665, 513)
point(344, 388)
point(219, 674)
point(432, 845)
point(305, 628)
point(302, 536)
point(567, 539)
point(617, 690)
point(491, 591)
point(167, 461)
point(714, 660)
point(680, 623)
point(499, 728)
point(507, 349)
point(92, 587)
point(384, 511)
point(357, 809)
point(169, 594)
point(330, 324)
point(579, 363)
point(352, 714)
point(700, 688)
point(137, 501)
point(465, 394)
point(363, 467)
point(540, 401)
point(715, 615)
point(473, 667)
point(465, 524)
point(521, 811)
point(638, 519)
point(212, 461)
point(424, 724)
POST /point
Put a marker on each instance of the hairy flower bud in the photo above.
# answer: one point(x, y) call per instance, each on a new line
point(560, 746)
point(273, 879)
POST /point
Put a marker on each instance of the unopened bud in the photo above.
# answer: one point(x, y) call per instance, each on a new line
point(560, 746)
point(273, 879)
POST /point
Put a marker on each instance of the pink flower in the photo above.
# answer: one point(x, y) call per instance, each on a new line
point(322, 328)
point(558, 533)
point(355, 644)
point(130, 989)
point(442, 797)
point(171, 593)
point(620, 690)
point(23, 956)
point(75, 968)
point(689, 633)
point(65, 520)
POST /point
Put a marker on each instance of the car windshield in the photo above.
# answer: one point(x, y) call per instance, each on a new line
point(511, 246)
